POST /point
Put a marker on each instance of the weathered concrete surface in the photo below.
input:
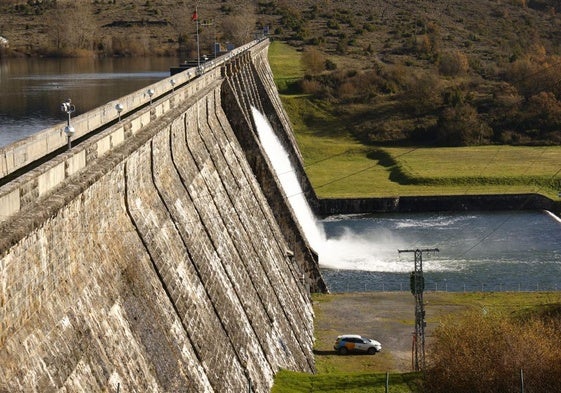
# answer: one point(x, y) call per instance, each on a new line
point(160, 265)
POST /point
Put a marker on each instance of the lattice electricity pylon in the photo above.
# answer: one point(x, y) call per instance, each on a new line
point(417, 282)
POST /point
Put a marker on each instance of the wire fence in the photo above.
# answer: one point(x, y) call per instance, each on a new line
point(444, 286)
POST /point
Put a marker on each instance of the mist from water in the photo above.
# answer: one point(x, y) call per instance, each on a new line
point(371, 251)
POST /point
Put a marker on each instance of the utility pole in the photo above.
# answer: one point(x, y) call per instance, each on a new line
point(417, 282)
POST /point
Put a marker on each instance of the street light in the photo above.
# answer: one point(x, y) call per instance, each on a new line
point(119, 107)
point(68, 108)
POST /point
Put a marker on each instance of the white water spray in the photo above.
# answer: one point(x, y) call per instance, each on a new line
point(349, 250)
point(284, 170)
point(553, 216)
point(370, 251)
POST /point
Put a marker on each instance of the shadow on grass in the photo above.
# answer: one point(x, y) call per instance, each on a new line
point(322, 352)
point(319, 352)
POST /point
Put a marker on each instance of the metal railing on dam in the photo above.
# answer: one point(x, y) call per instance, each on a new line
point(158, 253)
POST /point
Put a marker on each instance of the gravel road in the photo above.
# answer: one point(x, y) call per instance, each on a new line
point(388, 317)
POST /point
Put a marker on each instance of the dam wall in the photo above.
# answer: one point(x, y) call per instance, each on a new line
point(253, 70)
point(158, 254)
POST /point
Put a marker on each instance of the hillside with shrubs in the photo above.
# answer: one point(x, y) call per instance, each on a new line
point(446, 73)
point(442, 73)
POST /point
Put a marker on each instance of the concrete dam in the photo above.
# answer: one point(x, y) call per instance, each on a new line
point(158, 252)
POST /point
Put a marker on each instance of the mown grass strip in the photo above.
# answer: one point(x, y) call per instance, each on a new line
point(285, 64)
point(294, 382)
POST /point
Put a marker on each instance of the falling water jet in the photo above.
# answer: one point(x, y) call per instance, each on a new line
point(313, 231)
point(348, 251)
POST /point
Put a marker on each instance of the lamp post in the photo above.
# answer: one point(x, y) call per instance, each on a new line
point(119, 108)
point(68, 108)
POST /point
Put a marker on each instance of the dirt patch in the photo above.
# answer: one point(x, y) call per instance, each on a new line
point(388, 317)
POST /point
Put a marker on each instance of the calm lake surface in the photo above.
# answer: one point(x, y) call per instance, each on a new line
point(515, 251)
point(33, 89)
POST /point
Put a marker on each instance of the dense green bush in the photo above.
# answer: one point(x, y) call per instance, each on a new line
point(461, 126)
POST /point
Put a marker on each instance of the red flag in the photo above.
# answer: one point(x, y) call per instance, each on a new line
point(195, 17)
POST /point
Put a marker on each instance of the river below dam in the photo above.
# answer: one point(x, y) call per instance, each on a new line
point(478, 251)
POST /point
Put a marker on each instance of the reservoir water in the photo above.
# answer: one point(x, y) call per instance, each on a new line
point(33, 89)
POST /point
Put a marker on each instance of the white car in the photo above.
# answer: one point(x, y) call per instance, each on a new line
point(355, 343)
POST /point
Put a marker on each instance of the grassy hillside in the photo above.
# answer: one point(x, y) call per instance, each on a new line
point(339, 165)
point(449, 73)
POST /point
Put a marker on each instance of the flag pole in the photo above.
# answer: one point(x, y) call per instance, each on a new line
point(198, 47)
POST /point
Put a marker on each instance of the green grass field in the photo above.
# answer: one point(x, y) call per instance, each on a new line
point(292, 382)
point(339, 166)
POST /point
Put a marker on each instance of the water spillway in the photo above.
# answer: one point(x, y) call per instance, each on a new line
point(159, 253)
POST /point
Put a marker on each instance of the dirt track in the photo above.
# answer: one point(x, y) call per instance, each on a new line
point(388, 317)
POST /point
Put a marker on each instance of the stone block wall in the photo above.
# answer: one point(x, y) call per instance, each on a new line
point(161, 266)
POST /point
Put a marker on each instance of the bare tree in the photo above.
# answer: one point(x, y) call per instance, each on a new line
point(71, 27)
point(313, 60)
point(239, 28)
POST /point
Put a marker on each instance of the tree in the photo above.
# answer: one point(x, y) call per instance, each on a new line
point(71, 28)
point(240, 27)
point(480, 352)
point(543, 112)
point(313, 60)
point(422, 92)
point(461, 126)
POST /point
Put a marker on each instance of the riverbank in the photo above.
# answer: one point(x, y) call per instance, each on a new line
point(437, 203)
